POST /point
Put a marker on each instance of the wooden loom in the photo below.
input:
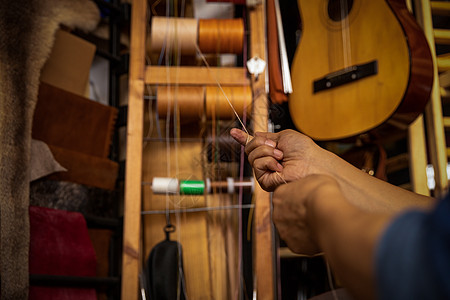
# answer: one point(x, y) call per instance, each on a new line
point(143, 163)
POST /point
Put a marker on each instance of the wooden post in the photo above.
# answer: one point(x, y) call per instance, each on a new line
point(433, 111)
point(418, 157)
point(263, 233)
point(133, 172)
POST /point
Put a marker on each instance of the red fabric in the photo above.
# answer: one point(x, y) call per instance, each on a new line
point(60, 245)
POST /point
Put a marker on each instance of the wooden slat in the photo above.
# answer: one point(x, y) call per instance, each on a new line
point(442, 36)
point(441, 8)
point(263, 228)
point(433, 111)
point(196, 76)
point(446, 121)
point(445, 95)
point(444, 79)
point(397, 163)
point(418, 157)
point(443, 62)
point(133, 172)
point(285, 252)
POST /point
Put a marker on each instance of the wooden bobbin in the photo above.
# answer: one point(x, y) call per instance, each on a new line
point(217, 105)
point(221, 35)
point(174, 34)
point(190, 101)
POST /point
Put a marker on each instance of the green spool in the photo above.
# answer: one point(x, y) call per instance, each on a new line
point(192, 187)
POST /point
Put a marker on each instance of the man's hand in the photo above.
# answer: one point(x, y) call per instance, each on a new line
point(292, 205)
point(278, 158)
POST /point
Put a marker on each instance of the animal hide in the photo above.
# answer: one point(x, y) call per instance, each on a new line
point(27, 29)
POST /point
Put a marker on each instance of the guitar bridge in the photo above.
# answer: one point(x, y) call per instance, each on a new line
point(345, 76)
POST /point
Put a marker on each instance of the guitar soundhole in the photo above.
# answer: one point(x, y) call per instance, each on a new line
point(339, 9)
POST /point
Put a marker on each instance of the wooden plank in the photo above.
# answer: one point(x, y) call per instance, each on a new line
point(133, 173)
point(285, 252)
point(443, 62)
point(263, 229)
point(445, 95)
point(433, 111)
point(179, 160)
point(446, 121)
point(444, 79)
point(196, 76)
point(397, 163)
point(440, 8)
point(418, 157)
point(442, 36)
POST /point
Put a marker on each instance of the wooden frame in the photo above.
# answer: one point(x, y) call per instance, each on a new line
point(139, 75)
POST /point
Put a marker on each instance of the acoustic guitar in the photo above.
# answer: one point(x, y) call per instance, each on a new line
point(359, 64)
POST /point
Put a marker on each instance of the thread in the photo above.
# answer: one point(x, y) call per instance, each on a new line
point(223, 92)
point(217, 36)
point(238, 99)
point(174, 33)
point(189, 101)
point(192, 187)
point(163, 185)
point(221, 35)
point(193, 102)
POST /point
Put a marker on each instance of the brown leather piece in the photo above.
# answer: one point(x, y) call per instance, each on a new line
point(73, 122)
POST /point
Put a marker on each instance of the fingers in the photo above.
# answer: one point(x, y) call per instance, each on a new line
point(240, 136)
point(266, 156)
point(261, 150)
point(267, 164)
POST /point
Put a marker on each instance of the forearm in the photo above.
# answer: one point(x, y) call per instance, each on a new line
point(365, 191)
point(348, 237)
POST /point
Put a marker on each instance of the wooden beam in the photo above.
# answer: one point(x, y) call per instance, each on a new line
point(196, 76)
point(446, 121)
point(443, 62)
point(433, 110)
point(440, 8)
point(418, 157)
point(263, 228)
point(133, 173)
point(444, 79)
point(442, 36)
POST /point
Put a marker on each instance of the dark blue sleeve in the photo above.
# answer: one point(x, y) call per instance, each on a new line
point(413, 256)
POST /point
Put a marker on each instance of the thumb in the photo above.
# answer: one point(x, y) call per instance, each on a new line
point(240, 136)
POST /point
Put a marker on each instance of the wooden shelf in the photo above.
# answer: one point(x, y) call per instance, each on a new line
point(196, 76)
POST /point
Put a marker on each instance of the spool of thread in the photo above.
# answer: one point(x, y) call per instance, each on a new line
point(163, 185)
point(217, 105)
point(221, 35)
point(190, 101)
point(174, 34)
point(192, 187)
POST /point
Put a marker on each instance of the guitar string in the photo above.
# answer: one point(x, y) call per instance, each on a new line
point(345, 32)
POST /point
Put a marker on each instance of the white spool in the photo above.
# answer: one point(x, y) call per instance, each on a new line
point(163, 185)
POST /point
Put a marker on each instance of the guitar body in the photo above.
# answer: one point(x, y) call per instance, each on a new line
point(359, 64)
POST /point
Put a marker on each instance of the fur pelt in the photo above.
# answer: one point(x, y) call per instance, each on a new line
point(27, 29)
